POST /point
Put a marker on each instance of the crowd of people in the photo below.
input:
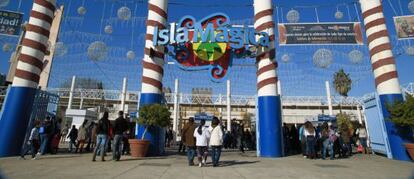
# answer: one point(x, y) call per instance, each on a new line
point(45, 137)
point(317, 142)
point(322, 141)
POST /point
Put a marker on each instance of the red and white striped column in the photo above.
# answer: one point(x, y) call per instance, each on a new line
point(153, 71)
point(19, 101)
point(384, 69)
point(269, 123)
point(154, 55)
point(34, 44)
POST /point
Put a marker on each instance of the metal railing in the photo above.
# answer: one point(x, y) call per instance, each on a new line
point(133, 96)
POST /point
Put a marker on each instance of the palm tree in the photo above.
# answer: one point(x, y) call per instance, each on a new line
point(342, 83)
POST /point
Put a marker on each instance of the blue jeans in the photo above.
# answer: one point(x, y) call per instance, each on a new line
point(71, 144)
point(44, 139)
point(100, 145)
point(327, 144)
point(215, 154)
point(190, 154)
point(117, 150)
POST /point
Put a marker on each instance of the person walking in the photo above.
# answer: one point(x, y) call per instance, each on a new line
point(216, 140)
point(82, 137)
point(73, 135)
point(310, 139)
point(45, 132)
point(202, 136)
point(103, 131)
point(33, 143)
point(121, 126)
point(362, 135)
point(189, 140)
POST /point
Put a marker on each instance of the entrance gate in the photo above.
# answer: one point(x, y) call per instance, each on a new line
point(375, 121)
point(30, 64)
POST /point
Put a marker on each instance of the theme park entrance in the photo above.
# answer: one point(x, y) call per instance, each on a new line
point(209, 43)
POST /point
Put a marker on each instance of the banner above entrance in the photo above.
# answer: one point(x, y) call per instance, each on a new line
point(209, 44)
point(320, 33)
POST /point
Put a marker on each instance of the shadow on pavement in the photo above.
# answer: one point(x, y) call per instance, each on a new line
point(235, 162)
point(143, 158)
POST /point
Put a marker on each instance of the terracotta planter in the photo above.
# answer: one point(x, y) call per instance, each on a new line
point(410, 149)
point(139, 148)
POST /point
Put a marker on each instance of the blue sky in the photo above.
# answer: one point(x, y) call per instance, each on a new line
point(299, 77)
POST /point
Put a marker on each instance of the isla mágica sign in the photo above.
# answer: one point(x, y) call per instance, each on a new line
point(208, 44)
point(221, 31)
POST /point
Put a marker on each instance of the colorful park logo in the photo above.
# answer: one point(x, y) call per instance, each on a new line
point(214, 42)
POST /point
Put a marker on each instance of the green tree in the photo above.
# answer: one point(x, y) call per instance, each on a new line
point(344, 121)
point(154, 115)
point(342, 82)
point(402, 112)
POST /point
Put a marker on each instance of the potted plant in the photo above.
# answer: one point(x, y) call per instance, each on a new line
point(402, 115)
point(155, 115)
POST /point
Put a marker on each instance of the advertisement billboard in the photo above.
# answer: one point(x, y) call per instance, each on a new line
point(320, 33)
point(10, 23)
point(404, 26)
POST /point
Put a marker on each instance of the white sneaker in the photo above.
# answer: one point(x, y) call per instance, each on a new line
point(199, 164)
point(34, 158)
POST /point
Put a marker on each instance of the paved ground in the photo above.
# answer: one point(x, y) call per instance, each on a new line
point(234, 165)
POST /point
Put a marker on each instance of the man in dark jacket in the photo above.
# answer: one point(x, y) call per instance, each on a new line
point(189, 140)
point(73, 135)
point(102, 131)
point(121, 126)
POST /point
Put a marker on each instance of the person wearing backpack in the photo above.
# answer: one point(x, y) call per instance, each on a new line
point(102, 131)
point(216, 140)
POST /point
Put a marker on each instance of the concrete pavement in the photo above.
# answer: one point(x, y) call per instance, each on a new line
point(233, 165)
